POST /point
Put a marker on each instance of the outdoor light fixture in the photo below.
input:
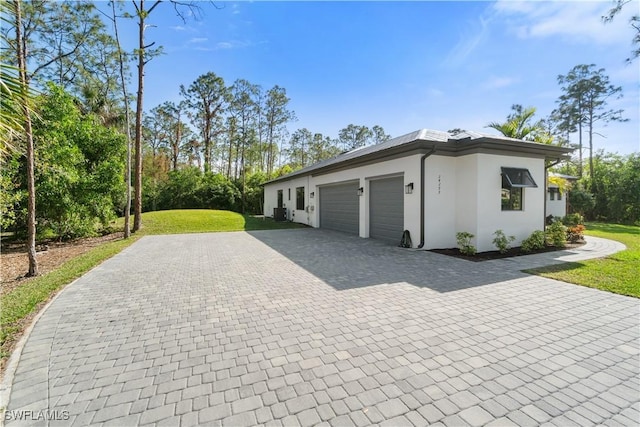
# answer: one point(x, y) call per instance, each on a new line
point(312, 195)
point(408, 189)
point(360, 191)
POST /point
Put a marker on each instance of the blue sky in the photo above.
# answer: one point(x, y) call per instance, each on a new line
point(400, 65)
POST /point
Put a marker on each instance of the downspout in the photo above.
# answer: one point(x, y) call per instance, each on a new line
point(546, 184)
point(308, 197)
point(422, 185)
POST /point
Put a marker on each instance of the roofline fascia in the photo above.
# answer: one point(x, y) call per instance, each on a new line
point(455, 149)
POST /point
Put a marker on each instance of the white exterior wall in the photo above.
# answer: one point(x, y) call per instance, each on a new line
point(461, 194)
point(467, 194)
point(490, 215)
point(441, 199)
point(271, 199)
point(557, 208)
point(408, 166)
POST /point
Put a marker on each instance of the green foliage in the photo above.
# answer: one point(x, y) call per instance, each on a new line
point(190, 188)
point(573, 219)
point(615, 183)
point(556, 234)
point(616, 273)
point(79, 168)
point(502, 242)
point(580, 200)
point(79, 171)
point(520, 125)
point(534, 242)
point(583, 103)
point(464, 243)
point(254, 193)
point(218, 192)
point(12, 197)
point(634, 22)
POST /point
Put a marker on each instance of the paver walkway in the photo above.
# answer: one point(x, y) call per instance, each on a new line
point(302, 327)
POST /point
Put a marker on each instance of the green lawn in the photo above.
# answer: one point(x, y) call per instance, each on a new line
point(25, 299)
point(617, 273)
point(205, 221)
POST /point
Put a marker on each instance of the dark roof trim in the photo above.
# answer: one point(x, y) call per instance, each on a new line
point(423, 141)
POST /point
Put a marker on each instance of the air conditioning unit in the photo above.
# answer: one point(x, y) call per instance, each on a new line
point(280, 214)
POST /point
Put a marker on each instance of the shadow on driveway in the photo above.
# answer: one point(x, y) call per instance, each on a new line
point(346, 262)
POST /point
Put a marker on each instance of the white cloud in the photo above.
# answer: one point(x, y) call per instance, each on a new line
point(198, 40)
point(498, 82)
point(434, 93)
point(468, 42)
point(579, 22)
point(232, 44)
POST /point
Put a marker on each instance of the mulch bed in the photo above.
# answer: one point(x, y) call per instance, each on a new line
point(14, 263)
point(486, 256)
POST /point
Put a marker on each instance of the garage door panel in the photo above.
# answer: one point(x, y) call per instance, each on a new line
point(386, 209)
point(340, 207)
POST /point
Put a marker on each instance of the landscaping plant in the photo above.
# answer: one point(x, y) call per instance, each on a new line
point(573, 219)
point(534, 242)
point(464, 243)
point(575, 233)
point(502, 242)
point(557, 234)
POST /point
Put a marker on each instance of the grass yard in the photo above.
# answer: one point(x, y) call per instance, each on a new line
point(22, 303)
point(617, 273)
point(204, 221)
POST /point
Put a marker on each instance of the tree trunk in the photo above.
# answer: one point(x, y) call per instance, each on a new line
point(270, 152)
point(176, 145)
point(580, 140)
point(207, 142)
point(30, 151)
point(231, 136)
point(242, 171)
point(591, 177)
point(127, 212)
point(137, 203)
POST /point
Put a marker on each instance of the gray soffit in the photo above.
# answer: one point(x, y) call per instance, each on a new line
point(425, 140)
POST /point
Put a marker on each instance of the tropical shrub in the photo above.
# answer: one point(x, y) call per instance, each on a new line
point(575, 233)
point(502, 242)
point(464, 243)
point(572, 220)
point(557, 234)
point(580, 200)
point(534, 242)
point(79, 168)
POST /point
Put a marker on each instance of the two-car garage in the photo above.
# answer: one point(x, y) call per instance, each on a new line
point(340, 208)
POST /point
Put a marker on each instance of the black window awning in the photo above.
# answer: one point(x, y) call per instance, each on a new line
point(518, 178)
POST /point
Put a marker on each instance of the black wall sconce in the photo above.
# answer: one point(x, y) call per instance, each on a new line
point(360, 191)
point(312, 195)
point(408, 189)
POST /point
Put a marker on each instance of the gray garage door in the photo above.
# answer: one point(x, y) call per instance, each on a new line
point(386, 209)
point(340, 207)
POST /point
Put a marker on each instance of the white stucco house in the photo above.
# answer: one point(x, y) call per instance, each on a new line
point(431, 183)
point(557, 200)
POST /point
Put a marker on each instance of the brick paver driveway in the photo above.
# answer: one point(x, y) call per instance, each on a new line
point(300, 327)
